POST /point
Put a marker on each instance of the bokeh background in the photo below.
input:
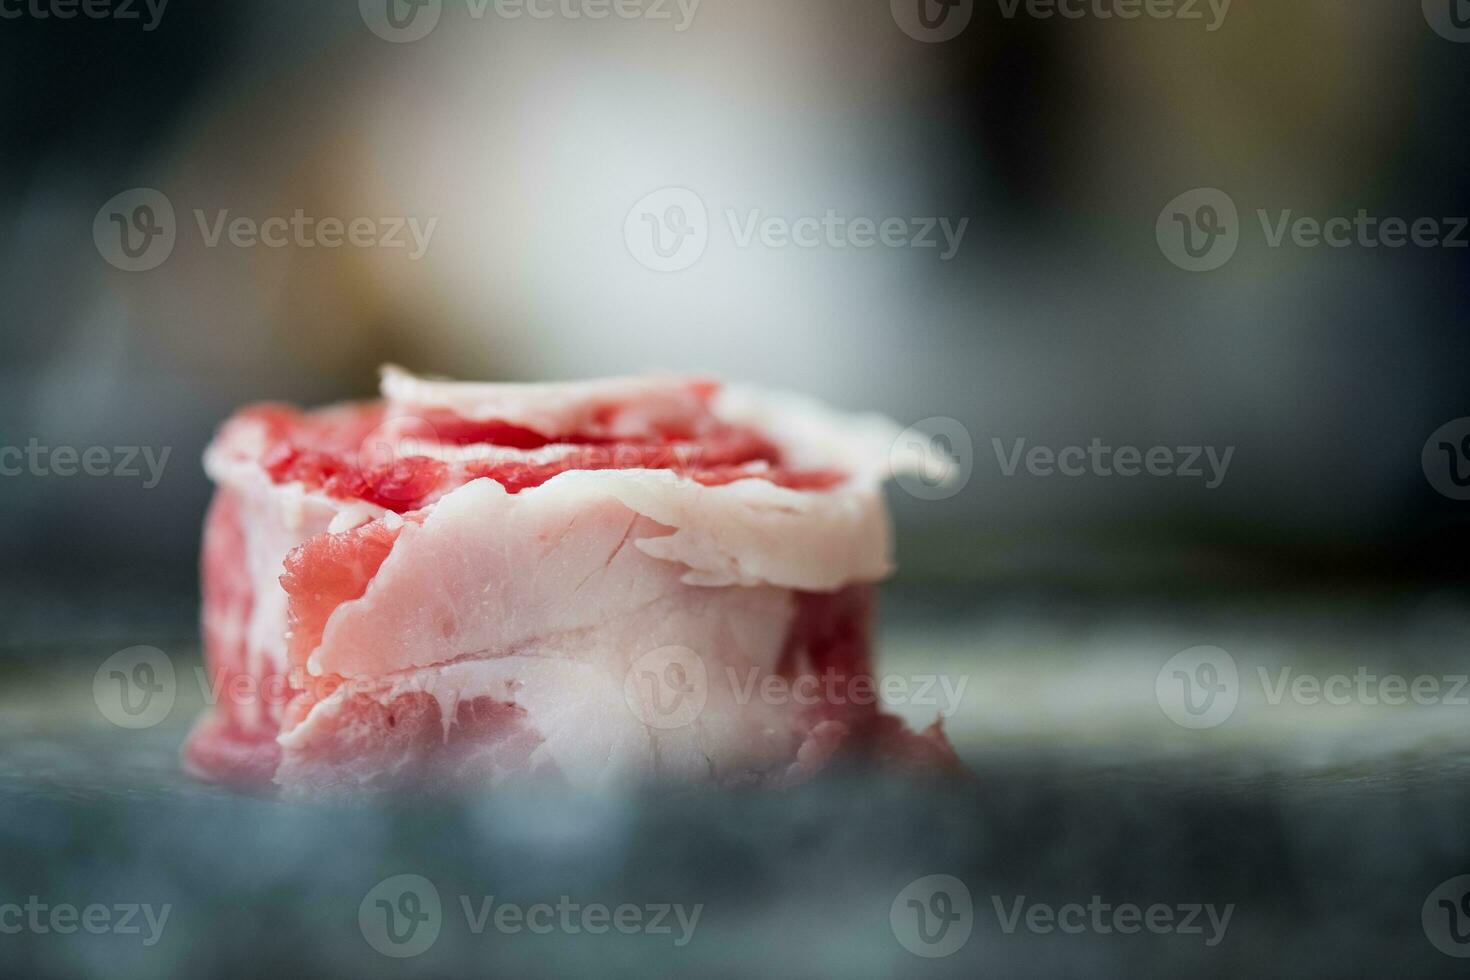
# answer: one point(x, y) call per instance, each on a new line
point(1059, 320)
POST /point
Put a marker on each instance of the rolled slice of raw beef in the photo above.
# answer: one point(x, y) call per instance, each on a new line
point(599, 582)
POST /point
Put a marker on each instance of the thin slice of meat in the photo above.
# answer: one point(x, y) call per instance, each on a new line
point(325, 572)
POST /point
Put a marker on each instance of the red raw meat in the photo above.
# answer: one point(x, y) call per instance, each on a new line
point(464, 584)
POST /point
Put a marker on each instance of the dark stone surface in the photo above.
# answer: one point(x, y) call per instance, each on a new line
point(1326, 858)
point(1327, 873)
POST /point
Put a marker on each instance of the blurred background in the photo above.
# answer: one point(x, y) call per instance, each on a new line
point(527, 147)
point(529, 140)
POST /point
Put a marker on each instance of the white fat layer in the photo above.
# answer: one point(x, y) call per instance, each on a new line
point(579, 711)
point(488, 571)
point(354, 515)
point(554, 409)
point(753, 532)
point(811, 435)
point(489, 453)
